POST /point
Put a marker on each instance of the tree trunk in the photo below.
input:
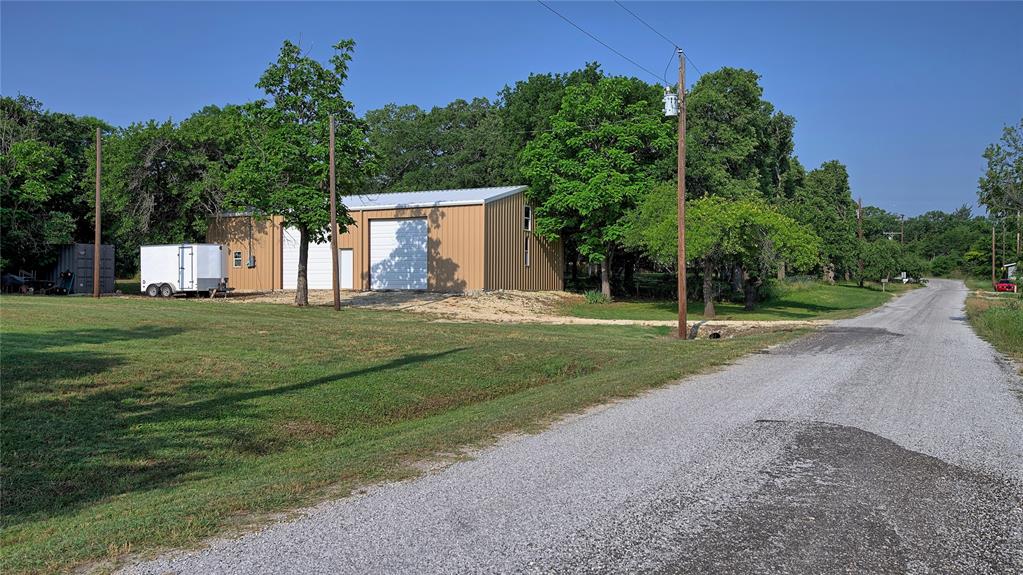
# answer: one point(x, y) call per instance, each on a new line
point(302, 284)
point(708, 289)
point(828, 275)
point(781, 270)
point(605, 276)
point(750, 291)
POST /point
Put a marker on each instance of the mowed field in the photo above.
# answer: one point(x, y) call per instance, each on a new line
point(133, 424)
point(793, 301)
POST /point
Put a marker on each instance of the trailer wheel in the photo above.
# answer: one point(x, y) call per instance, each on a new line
point(153, 290)
point(166, 290)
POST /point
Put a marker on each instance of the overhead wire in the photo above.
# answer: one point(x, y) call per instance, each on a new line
point(665, 38)
point(601, 42)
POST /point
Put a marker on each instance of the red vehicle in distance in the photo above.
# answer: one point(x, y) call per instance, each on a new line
point(1005, 284)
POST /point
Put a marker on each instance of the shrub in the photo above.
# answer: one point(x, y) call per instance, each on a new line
point(596, 297)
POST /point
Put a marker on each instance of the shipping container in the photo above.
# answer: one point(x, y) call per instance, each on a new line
point(77, 259)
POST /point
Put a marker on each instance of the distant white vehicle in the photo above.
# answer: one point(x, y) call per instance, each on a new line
point(183, 269)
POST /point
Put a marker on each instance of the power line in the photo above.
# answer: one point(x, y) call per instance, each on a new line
point(644, 22)
point(666, 39)
point(599, 41)
point(664, 74)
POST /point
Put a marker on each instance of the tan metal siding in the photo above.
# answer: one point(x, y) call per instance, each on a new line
point(250, 236)
point(505, 244)
point(454, 245)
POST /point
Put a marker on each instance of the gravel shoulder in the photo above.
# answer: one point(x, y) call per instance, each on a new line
point(887, 443)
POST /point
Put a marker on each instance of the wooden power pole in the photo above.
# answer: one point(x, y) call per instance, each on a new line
point(683, 332)
point(333, 223)
point(96, 248)
point(993, 279)
point(859, 234)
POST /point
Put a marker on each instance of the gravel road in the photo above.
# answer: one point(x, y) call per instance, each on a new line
point(888, 443)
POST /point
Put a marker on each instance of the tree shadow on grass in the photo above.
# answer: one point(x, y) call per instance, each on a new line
point(62, 453)
point(35, 358)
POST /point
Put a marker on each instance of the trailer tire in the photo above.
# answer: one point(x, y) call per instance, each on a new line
point(153, 290)
point(166, 290)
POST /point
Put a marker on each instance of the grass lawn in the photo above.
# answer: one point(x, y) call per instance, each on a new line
point(133, 424)
point(804, 300)
point(997, 317)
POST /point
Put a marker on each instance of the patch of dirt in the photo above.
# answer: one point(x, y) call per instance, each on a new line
point(506, 307)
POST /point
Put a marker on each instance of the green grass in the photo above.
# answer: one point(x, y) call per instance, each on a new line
point(999, 319)
point(132, 424)
point(797, 301)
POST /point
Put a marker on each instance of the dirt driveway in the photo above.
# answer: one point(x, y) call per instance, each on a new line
point(505, 307)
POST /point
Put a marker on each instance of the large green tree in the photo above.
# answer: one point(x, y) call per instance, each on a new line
point(1000, 189)
point(45, 182)
point(738, 145)
point(163, 181)
point(606, 146)
point(284, 163)
point(748, 233)
point(824, 202)
point(461, 145)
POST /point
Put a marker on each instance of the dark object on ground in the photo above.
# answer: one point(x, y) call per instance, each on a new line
point(77, 258)
point(12, 283)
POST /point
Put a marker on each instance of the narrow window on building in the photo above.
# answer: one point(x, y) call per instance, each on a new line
point(237, 259)
point(525, 251)
point(527, 218)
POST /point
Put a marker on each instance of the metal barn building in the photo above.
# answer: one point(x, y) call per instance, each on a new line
point(438, 240)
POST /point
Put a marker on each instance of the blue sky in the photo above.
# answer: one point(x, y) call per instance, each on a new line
point(907, 95)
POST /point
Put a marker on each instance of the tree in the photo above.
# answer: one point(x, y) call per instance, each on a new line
point(738, 146)
point(824, 202)
point(284, 162)
point(598, 159)
point(461, 145)
point(1000, 189)
point(45, 185)
point(162, 182)
point(748, 233)
point(881, 259)
point(528, 107)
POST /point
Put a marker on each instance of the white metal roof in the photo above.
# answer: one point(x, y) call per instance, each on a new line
point(429, 198)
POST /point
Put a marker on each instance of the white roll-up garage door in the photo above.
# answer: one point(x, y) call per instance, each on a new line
point(397, 254)
point(319, 262)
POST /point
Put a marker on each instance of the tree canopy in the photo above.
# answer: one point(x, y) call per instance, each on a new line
point(283, 168)
point(590, 169)
point(596, 150)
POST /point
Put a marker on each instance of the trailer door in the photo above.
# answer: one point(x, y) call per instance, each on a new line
point(186, 268)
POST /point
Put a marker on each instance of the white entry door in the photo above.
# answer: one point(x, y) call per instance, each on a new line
point(320, 266)
point(397, 254)
point(346, 268)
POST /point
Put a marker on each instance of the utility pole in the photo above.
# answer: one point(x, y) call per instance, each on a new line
point(333, 223)
point(993, 279)
point(902, 229)
point(683, 332)
point(96, 251)
point(859, 234)
point(1003, 239)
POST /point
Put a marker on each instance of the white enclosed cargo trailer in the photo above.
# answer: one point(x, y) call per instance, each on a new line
point(184, 268)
